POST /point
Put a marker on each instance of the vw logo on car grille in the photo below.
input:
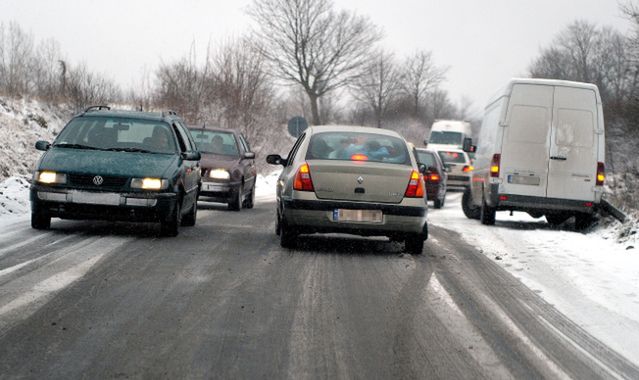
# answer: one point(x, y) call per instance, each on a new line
point(360, 180)
point(98, 180)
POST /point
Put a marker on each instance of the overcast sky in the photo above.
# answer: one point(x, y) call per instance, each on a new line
point(483, 42)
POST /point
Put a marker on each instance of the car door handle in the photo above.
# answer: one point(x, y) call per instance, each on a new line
point(560, 158)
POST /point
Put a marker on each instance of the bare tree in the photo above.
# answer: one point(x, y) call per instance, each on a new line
point(310, 44)
point(16, 52)
point(86, 88)
point(420, 75)
point(378, 84)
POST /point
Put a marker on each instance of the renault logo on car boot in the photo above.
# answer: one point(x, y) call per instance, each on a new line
point(360, 180)
point(98, 180)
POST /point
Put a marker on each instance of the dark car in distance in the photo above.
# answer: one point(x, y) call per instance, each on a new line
point(118, 165)
point(435, 176)
point(228, 166)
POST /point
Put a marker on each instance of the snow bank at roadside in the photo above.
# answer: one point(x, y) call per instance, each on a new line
point(14, 199)
point(591, 278)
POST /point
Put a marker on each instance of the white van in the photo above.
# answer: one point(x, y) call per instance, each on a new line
point(540, 150)
point(446, 134)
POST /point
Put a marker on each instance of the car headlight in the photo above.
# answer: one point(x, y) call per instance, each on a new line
point(50, 177)
point(149, 183)
point(219, 174)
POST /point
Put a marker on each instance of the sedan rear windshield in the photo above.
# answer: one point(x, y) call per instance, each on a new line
point(452, 157)
point(355, 146)
point(118, 134)
point(215, 142)
point(426, 158)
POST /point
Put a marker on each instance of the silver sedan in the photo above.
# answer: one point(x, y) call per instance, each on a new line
point(355, 180)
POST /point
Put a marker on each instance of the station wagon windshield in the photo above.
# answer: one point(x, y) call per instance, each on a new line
point(117, 134)
point(353, 146)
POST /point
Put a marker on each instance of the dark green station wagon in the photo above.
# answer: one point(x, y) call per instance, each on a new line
point(118, 165)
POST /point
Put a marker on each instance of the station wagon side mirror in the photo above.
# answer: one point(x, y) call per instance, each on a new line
point(275, 159)
point(422, 168)
point(42, 145)
point(468, 146)
point(249, 155)
point(192, 156)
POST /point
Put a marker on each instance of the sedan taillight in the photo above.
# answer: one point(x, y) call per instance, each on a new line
point(415, 188)
point(303, 181)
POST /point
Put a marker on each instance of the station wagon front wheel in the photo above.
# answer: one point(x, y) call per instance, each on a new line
point(171, 227)
point(40, 221)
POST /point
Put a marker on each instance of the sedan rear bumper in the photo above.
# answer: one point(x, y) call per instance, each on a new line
point(310, 216)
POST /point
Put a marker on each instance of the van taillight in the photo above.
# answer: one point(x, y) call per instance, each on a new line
point(468, 168)
point(303, 180)
point(415, 188)
point(494, 165)
point(601, 173)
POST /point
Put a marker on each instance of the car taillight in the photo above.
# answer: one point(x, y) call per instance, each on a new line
point(415, 188)
point(433, 177)
point(601, 173)
point(468, 168)
point(494, 165)
point(359, 157)
point(303, 180)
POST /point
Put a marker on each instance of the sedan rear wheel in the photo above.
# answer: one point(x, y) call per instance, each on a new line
point(414, 245)
point(288, 237)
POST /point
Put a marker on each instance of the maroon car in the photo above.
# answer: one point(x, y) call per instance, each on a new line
point(228, 167)
point(435, 176)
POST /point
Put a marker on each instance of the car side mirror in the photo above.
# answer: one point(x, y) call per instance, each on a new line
point(42, 145)
point(422, 168)
point(192, 156)
point(275, 159)
point(468, 146)
point(432, 169)
point(249, 155)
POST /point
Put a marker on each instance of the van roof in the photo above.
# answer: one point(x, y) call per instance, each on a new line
point(507, 89)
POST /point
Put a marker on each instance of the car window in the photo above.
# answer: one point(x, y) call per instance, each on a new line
point(102, 132)
point(426, 158)
point(215, 142)
point(358, 146)
point(452, 157)
point(245, 144)
point(186, 136)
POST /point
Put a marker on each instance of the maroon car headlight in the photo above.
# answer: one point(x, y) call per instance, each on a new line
point(220, 174)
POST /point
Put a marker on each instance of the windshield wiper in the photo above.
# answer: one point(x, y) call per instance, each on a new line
point(76, 146)
point(133, 150)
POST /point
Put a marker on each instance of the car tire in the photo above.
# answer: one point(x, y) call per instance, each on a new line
point(236, 203)
point(438, 203)
point(190, 219)
point(583, 221)
point(278, 224)
point(288, 237)
point(171, 227)
point(40, 221)
point(556, 219)
point(249, 202)
point(471, 211)
point(488, 214)
point(414, 245)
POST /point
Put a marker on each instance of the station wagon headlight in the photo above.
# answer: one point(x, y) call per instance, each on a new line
point(219, 174)
point(149, 183)
point(50, 177)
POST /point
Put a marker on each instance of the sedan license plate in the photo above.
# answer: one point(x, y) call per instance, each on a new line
point(345, 215)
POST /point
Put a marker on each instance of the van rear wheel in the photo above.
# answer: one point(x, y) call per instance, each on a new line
point(471, 211)
point(488, 214)
point(556, 219)
point(583, 221)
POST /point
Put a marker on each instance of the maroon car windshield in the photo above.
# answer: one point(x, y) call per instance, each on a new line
point(215, 142)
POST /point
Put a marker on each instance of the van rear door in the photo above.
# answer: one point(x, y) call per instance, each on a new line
point(526, 141)
point(573, 150)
